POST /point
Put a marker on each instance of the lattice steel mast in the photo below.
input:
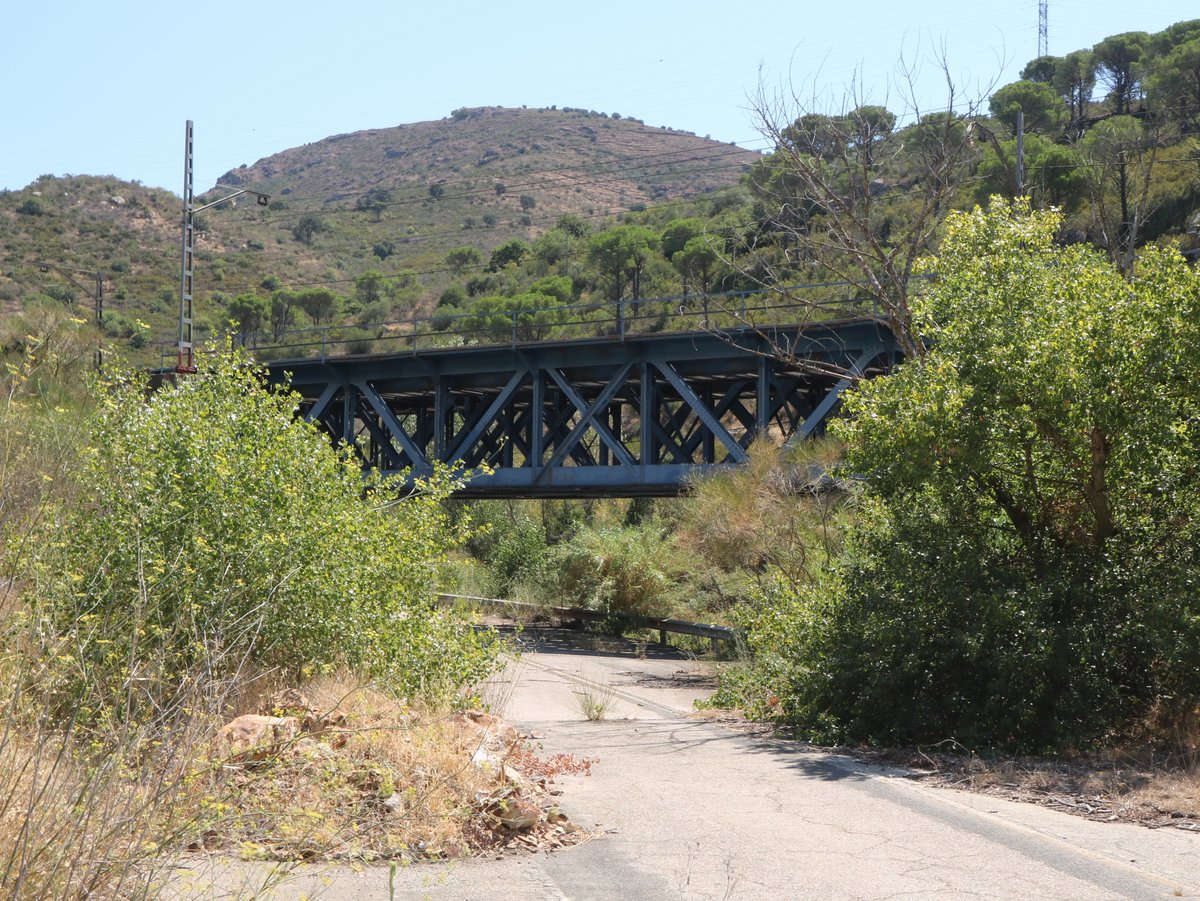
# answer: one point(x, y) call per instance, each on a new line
point(1043, 28)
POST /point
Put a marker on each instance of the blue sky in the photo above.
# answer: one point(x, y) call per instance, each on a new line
point(104, 89)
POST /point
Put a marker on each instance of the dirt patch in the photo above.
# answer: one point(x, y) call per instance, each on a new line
point(1110, 791)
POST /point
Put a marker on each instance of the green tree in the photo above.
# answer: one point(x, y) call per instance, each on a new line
point(463, 257)
point(677, 233)
point(1173, 86)
point(1020, 572)
point(320, 304)
point(1043, 109)
point(525, 317)
point(375, 201)
point(32, 207)
point(1041, 69)
point(437, 191)
point(573, 225)
point(1074, 79)
point(309, 227)
point(282, 313)
point(552, 247)
point(1055, 174)
point(249, 314)
point(1121, 152)
point(697, 263)
point(527, 202)
point(621, 253)
point(371, 287)
point(557, 286)
point(1116, 60)
point(510, 253)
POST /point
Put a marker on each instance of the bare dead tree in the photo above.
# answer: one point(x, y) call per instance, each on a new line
point(1121, 153)
point(847, 197)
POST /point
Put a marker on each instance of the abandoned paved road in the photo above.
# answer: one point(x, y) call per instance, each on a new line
point(689, 809)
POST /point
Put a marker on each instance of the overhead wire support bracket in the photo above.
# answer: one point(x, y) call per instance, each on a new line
point(186, 361)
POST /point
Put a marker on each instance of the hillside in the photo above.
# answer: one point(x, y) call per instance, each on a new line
point(568, 161)
point(393, 199)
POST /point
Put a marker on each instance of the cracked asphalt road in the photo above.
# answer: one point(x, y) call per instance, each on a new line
point(684, 808)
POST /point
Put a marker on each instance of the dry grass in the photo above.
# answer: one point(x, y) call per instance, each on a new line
point(81, 819)
point(1131, 785)
point(390, 781)
point(594, 698)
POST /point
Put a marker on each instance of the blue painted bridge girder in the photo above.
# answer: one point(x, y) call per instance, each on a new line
point(592, 417)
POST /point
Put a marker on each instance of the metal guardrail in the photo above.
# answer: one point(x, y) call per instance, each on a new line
point(712, 632)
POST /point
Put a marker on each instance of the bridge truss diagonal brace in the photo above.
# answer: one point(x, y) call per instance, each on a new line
point(587, 418)
point(736, 452)
point(822, 410)
point(322, 403)
point(484, 421)
point(395, 429)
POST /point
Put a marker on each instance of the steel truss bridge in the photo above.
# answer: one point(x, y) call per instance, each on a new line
point(615, 416)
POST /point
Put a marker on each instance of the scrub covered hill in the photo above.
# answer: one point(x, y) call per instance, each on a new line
point(393, 199)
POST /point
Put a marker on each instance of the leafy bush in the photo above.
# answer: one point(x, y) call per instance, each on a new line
point(616, 569)
point(1021, 571)
point(518, 550)
point(32, 207)
point(222, 529)
point(773, 515)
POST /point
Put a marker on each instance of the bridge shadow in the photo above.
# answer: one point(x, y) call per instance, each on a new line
point(578, 642)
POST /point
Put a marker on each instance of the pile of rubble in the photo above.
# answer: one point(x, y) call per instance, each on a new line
point(292, 761)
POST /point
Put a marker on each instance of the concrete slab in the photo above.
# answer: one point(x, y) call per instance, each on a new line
point(687, 809)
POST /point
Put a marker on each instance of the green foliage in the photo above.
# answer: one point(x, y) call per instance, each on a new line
point(222, 529)
point(573, 225)
point(320, 304)
point(375, 200)
point(1041, 69)
point(525, 317)
point(697, 263)
point(1019, 572)
point(766, 517)
point(509, 253)
point(249, 314)
point(677, 233)
point(621, 254)
point(32, 207)
point(1044, 111)
point(519, 549)
point(1055, 174)
point(616, 569)
point(309, 227)
point(371, 287)
point(1174, 85)
point(463, 257)
point(1074, 78)
point(1116, 59)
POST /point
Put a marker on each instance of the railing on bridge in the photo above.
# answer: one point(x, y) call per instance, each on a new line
point(619, 319)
